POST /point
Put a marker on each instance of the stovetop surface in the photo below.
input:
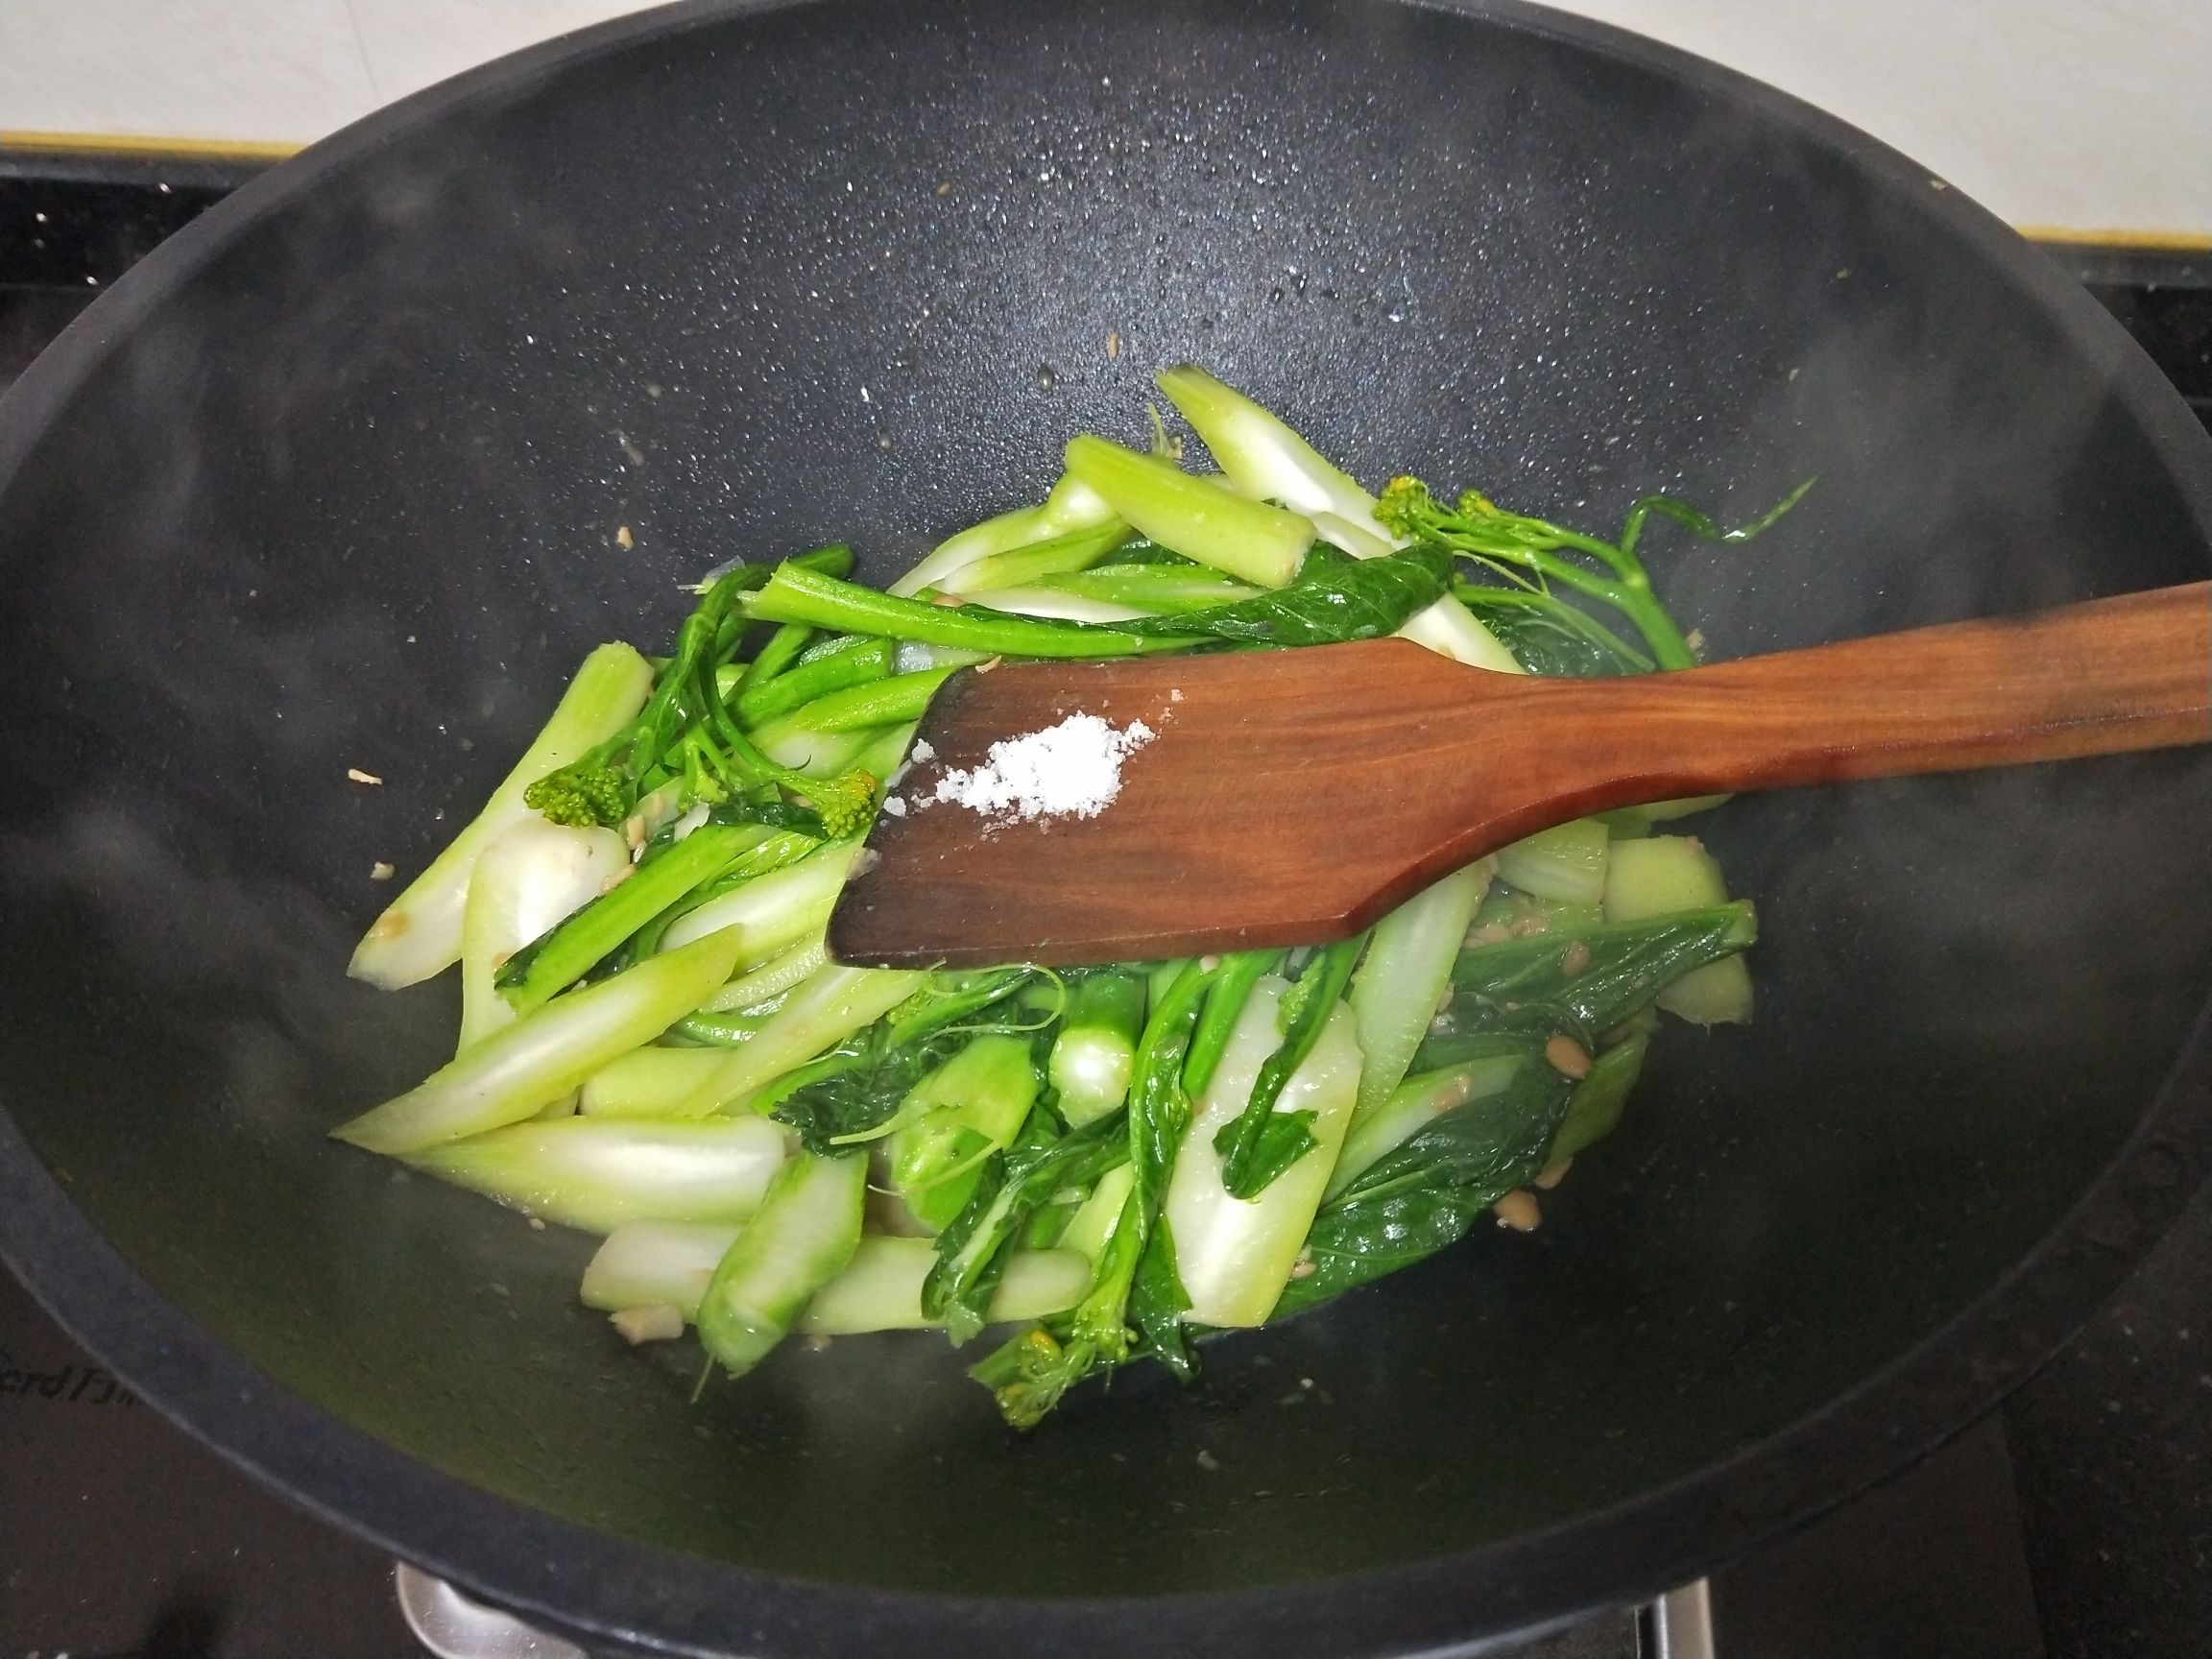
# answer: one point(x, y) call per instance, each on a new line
point(2078, 1522)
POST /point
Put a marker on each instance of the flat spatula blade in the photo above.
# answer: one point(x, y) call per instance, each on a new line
point(1232, 829)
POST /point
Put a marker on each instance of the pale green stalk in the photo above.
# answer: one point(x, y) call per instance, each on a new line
point(656, 1264)
point(1232, 533)
point(775, 913)
point(968, 1108)
point(516, 1071)
point(802, 1236)
point(533, 877)
point(1062, 555)
point(601, 1173)
point(646, 1082)
point(1095, 1051)
point(1097, 1216)
point(1071, 506)
point(823, 1012)
point(1403, 975)
point(1268, 462)
point(880, 1289)
point(772, 978)
point(419, 934)
point(1567, 862)
point(1265, 459)
point(1235, 1255)
point(1667, 873)
point(1057, 605)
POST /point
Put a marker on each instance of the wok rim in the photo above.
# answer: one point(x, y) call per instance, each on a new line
point(569, 1577)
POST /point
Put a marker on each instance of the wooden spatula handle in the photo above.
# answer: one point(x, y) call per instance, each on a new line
point(2131, 672)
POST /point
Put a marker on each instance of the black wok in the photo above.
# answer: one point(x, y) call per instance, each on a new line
point(334, 480)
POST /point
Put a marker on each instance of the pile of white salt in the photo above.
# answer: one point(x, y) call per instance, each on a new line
point(1072, 770)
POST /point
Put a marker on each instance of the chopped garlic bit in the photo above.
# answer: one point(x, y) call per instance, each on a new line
point(360, 777)
point(1568, 1057)
point(1519, 1212)
point(382, 871)
point(658, 1323)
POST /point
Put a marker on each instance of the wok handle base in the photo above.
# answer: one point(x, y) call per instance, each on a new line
point(1679, 1625)
point(453, 1626)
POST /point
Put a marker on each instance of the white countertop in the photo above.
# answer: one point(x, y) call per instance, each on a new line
point(2087, 119)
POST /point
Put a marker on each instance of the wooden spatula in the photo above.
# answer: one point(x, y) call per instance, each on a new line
point(1293, 797)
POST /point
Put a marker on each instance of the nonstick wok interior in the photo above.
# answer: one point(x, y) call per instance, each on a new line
point(336, 482)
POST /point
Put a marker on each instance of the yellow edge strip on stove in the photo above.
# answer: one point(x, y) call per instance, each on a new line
point(2145, 241)
point(150, 146)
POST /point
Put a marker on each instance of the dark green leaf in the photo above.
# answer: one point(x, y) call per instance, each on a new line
point(782, 814)
point(1496, 1141)
point(1158, 1302)
point(1427, 1192)
point(1333, 597)
point(1013, 1185)
point(1253, 1153)
point(856, 1086)
point(1285, 1138)
point(1159, 1108)
point(1356, 1243)
point(865, 1092)
point(1524, 985)
point(1548, 636)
